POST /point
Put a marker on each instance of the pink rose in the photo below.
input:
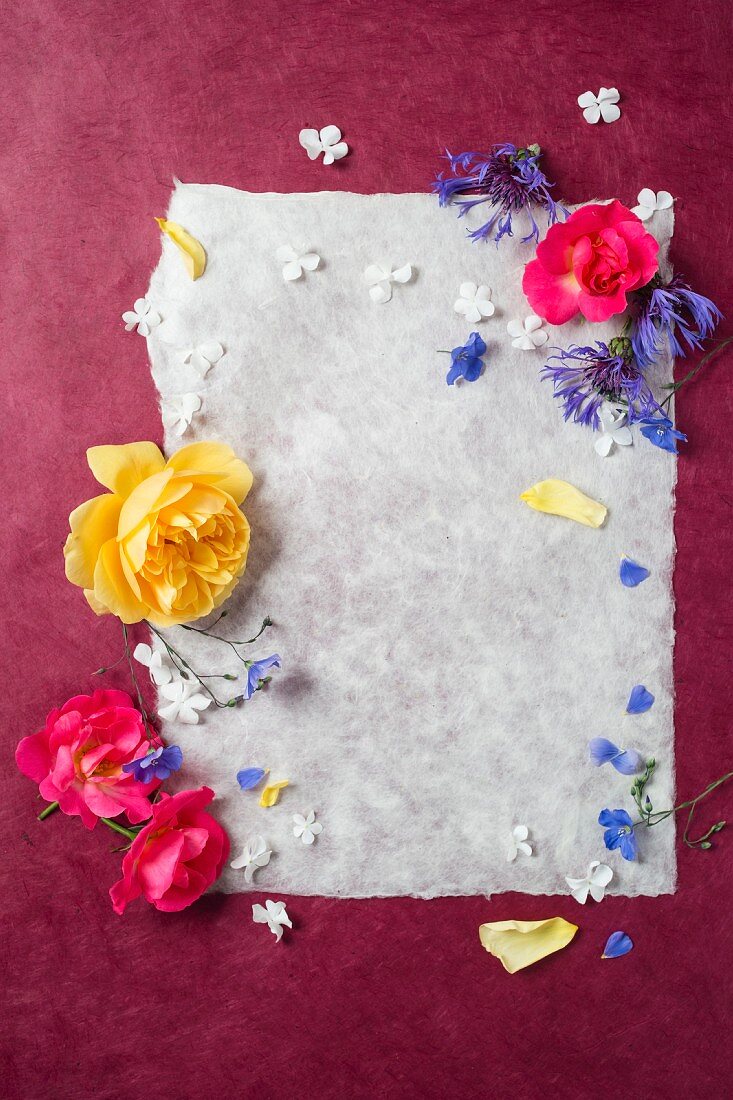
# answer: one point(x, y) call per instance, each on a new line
point(589, 263)
point(176, 856)
point(77, 759)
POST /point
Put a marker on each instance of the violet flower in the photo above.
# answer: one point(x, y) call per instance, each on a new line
point(660, 431)
point(508, 179)
point(671, 312)
point(466, 361)
point(619, 832)
point(257, 674)
point(586, 377)
point(157, 764)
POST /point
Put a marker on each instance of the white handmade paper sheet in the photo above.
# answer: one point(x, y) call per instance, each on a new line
point(447, 652)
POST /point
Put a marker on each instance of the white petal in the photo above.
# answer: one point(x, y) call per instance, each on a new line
point(532, 323)
point(329, 135)
point(337, 151)
point(402, 274)
point(580, 893)
point(646, 197)
point(143, 654)
point(130, 319)
point(643, 212)
point(328, 157)
point(191, 403)
point(597, 892)
point(603, 444)
point(240, 861)
point(539, 338)
point(473, 313)
point(316, 828)
point(468, 290)
point(520, 832)
point(380, 293)
point(169, 713)
point(483, 292)
point(587, 99)
point(298, 831)
point(143, 328)
point(260, 914)
point(610, 112)
point(292, 271)
point(299, 820)
point(308, 837)
point(623, 436)
point(600, 875)
point(141, 306)
point(310, 261)
point(485, 307)
point(511, 854)
point(375, 274)
point(285, 254)
point(515, 328)
point(461, 305)
point(664, 200)
point(526, 849)
point(311, 142)
point(524, 343)
point(592, 114)
point(609, 95)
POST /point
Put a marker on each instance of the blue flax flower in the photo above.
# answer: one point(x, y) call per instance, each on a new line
point(257, 673)
point(157, 764)
point(661, 433)
point(671, 312)
point(619, 832)
point(508, 179)
point(602, 751)
point(466, 361)
point(584, 378)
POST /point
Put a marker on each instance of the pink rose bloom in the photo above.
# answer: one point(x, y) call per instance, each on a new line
point(77, 759)
point(589, 263)
point(176, 856)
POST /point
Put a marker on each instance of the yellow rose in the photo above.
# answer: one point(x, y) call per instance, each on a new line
point(168, 543)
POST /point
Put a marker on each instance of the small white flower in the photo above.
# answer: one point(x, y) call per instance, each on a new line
point(159, 666)
point(594, 883)
point(179, 410)
point(474, 302)
point(296, 261)
point(307, 828)
point(142, 316)
point(327, 141)
point(650, 201)
point(203, 357)
point(601, 106)
point(256, 854)
point(274, 915)
point(185, 702)
point(519, 843)
point(379, 279)
point(527, 334)
point(613, 430)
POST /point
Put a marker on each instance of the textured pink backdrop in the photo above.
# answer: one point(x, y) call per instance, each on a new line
point(104, 104)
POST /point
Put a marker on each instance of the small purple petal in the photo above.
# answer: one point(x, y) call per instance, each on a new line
point(250, 777)
point(640, 700)
point(628, 762)
point(618, 944)
point(631, 573)
point(602, 751)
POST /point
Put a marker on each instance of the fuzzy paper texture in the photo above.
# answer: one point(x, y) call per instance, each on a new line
point(447, 652)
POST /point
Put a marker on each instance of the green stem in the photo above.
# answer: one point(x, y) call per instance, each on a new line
point(673, 387)
point(118, 828)
point(183, 666)
point(267, 621)
point(140, 701)
point(50, 809)
point(691, 804)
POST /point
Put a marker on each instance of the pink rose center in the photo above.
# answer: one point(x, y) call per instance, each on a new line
point(600, 263)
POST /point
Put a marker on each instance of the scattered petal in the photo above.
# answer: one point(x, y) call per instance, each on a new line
point(271, 793)
point(194, 256)
point(601, 106)
point(559, 498)
point(296, 261)
point(142, 317)
point(159, 666)
point(179, 410)
point(618, 944)
point(306, 828)
point(380, 277)
point(527, 334)
point(595, 882)
point(250, 777)
point(650, 201)
point(255, 854)
point(626, 761)
point(520, 943)
point(327, 141)
point(185, 702)
point(631, 573)
point(474, 302)
point(518, 843)
point(274, 915)
point(203, 357)
point(614, 430)
point(640, 700)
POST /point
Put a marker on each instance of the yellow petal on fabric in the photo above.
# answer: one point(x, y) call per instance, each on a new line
point(111, 589)
point(92, 524)
point(215, 464)
point(271, 792)
point(192, 250)
point(559, 498)
point(122, 468)
point(519, 943)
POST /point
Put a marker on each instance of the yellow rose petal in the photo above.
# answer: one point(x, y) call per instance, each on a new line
point(192, 250)
point(121, 468)
point(559, 498)
point(92, 524)
point(271, 792)
point(519, 943)
point(216, 464)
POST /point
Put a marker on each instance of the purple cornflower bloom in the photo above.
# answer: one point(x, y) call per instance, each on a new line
point(671, 312)
point(619, 832)
point(585, 377)
point(662, 434)
point(508, 179)
point(257, 673)
point(466, 361)
point(157, 764)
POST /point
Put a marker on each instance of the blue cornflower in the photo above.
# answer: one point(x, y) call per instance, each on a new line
point(508, 179)
point(661, 433)
point(157, 764)
point(671, 312)
point(619, 832)
point(257, 673)
point(466, 361)
point(586, 377)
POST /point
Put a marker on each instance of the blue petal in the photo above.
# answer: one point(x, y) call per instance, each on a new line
point(602, 751)
point(618, 944)
point(171, 757)
point(627, 844)
point(628, 762)
point(640, 700)
point(250, 777)
point(631, 573)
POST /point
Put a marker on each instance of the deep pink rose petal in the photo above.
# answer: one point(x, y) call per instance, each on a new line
point(32, 756)
point(553, 297)
point(157, 864)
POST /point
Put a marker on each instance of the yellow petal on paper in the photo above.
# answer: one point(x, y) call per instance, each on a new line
point(271, 792)
point(519, 943)
point(559, 498)
point(192, 250)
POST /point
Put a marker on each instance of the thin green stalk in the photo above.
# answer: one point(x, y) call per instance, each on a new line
point(184, 667)
point(140, 700)
point(50, 809)
point(118, 828)
point(673, 387)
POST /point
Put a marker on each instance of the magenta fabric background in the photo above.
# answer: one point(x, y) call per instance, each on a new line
point(104, 104)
